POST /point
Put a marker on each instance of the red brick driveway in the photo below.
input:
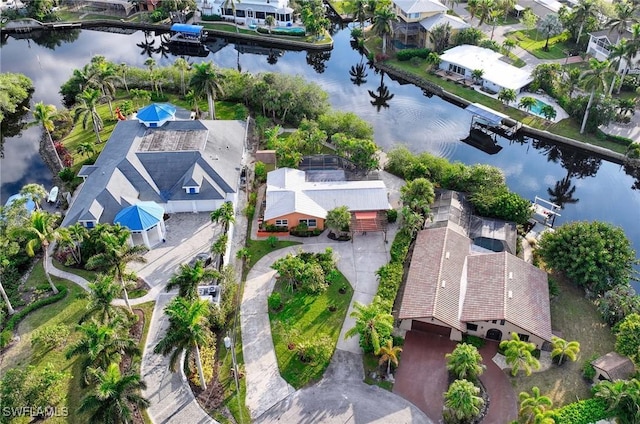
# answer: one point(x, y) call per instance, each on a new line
point(422, 378)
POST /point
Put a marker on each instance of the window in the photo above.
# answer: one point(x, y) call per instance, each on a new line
point(501, 322)
point(456, 69)
point(89, 224)
point(472, 327)
point(260, 15)
point(310, 223)
point(192, 190)
point(282, 222)
point(524, 337)
point(495, 321)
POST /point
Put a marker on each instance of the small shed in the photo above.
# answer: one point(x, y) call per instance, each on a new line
point(145, 220)
point(612, 367)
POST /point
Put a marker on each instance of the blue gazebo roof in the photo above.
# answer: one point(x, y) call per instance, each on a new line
point(156, 112)
point(187, 29)
point(140, 216)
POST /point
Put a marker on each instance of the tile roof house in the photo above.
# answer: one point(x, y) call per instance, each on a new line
point(454, 288)
point(181, 165)
point(292, 199)
point(612, 367)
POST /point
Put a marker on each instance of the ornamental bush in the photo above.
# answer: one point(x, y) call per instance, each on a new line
point(407, 54)
point(582, 412)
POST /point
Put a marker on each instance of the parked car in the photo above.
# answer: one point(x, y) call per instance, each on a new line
point(203, 257)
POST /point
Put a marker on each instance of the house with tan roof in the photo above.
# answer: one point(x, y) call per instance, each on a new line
point(612, 367)
point(454, 287)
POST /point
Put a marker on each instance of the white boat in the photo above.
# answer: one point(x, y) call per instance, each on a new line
point(53, 195)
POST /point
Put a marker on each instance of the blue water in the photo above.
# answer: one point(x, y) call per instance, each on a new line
point(537, 108)
point(292, 30)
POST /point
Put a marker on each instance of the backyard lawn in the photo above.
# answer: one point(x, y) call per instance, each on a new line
point(307, 318)
point(533, 42)
point(578, 319)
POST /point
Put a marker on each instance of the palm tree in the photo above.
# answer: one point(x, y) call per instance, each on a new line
point(189, 277)
point(87, 111)
point(193, 98)
point(389, 354)
point(115, 254)
point(519, 355)
point(549, 112)
point(582, 12)
point(10, 309)
point(224, 215)
point(507, 95)
point(483, 10)
point(269, 21)
point(102, 292)
point(562, 348)
point(465, 362)
point(43, 115)
point(187, 331)
point(572, 80)
point(372, 321)
point(101, 345)
point(477, 74)
point(381, 97)
point(618, 54)
point(40, 232)
point(360, 11)
point(382, 26)
point(34, 192)
point(114, 397)
point(151, 64)
point(232, 5)
point(183, 66)
point(509, 44)
point(206, 80)
point(549, 26)
point(527, 103)
point(462, 402)
point(123, 68)
point(593, 79)
point(358, 74)
point(103, 77)
point(625, 18)
point(86, 148)
point(473, 6)
point(533, 406)
point(72, 237)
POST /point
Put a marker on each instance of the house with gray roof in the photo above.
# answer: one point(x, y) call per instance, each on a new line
point(454, 287)
point(612, 367)
point(182, 165)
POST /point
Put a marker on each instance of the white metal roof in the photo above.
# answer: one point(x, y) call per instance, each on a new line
point(420, 6)
point(288, 192)
point(441, 19)
point(495, 70)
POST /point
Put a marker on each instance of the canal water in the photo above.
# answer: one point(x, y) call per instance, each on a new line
point(594, 189)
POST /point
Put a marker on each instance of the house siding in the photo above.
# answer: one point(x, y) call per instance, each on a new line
point(506, 329)
point(294, 218)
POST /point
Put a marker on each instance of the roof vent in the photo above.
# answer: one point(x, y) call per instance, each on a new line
point(446, 255)
point(444, 283)
point(510, 275)
point(510, 294)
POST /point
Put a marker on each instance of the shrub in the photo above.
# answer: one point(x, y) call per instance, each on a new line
point(392, 216)
point(490, 44)
point(582, 412)
point(275, 31)
point(211, 18)
point(407, 54)
point(260, 171)
point(157, 97)
point(272, 241)
point(588, 371)
point(416, 61)
point(356, 33)
point(390, 277)
point(554, 289)
point(473, 341)
point(400, 247)
point(50, 336)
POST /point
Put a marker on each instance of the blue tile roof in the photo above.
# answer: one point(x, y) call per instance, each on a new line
point(156, 112)
point(140, 216)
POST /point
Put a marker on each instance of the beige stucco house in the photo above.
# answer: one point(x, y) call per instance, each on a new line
point(417, 18)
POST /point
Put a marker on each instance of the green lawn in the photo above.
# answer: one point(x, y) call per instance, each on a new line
point(343, 7)
point(233, 400)
point(571, 129)
point(533, 42)
point(84, 273)
point(260, 248)
point(578, 319)
point(311, 317)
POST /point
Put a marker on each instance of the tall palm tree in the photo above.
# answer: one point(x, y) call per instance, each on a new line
point(593, 79)
point(207, 80)
point(532, 406)
point(231, 4)
point(193, 98)
point(87, 110)
point(102, 292)
point(151, 64)
point(104, 76)
point(389, 354)
point(465, 362)
point(462, 401)
point(114, 397)
point(224, 215)
point(563, 348)
point(43, 115)
point(123, 68)
point(484, 10)
point(183, 66)
point(189, 277)
point(40, 232)
point(583, 11)
point(35, 193)
point(527, 103)
point(372, 322)
point(10, 309)
point(519, 355)
point(360, 11)
point(101, 345)
point(115, 254)
point(382, 25)
point(186, 333)
point(625, 18)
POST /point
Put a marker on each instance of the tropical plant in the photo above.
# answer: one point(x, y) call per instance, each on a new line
point(622, 397)
point(382, 25)
point(114, 256)
point(183, 66)
point(389, 353)
point(533, 407)
point(114, 397)
point(360, 12)
point(338, 219)
point(617, 303)
point(224, 215)
point(373, 324)
point(35, 193)
point(549, 112)
point(465, 362)
point(563, 348)
point(418, 194)
point(549, 25)
point(439, 37)
point(628, 337)
point(593, 79)
point(88, 112)
point(71, 238)
point(507, 95)
point(206, 80)
point(519, 355)
point(461, 402)
point(189, 277)
point(526, 103)
point(477, 74)
point(40, 232)
point(44, 115)
point(186, 333)
point(86, 148)
point(102, 292)
point(483, 10)
point(269, 21)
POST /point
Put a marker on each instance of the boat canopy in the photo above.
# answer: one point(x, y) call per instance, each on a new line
point(491, 116)
point(187, 29)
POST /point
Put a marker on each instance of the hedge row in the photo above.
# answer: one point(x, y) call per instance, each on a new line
point(5, 336)
point(211, 18)
point(407, 54)
point(390, 275)
point(583, 412)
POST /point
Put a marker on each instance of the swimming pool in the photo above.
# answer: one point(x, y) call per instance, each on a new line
point(537, 108)
point(290, 30)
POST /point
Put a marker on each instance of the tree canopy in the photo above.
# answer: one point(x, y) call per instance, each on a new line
point(14, 90)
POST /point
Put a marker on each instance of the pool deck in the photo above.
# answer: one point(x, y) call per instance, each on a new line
point(560, 113)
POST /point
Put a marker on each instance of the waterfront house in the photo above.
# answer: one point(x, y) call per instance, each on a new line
point(250, 12)
point(599, 47)
point(463, 60)
point(416, 18)
point(161, 157)
point(293, 199)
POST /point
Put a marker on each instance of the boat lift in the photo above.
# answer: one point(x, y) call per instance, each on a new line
point(545, 212)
